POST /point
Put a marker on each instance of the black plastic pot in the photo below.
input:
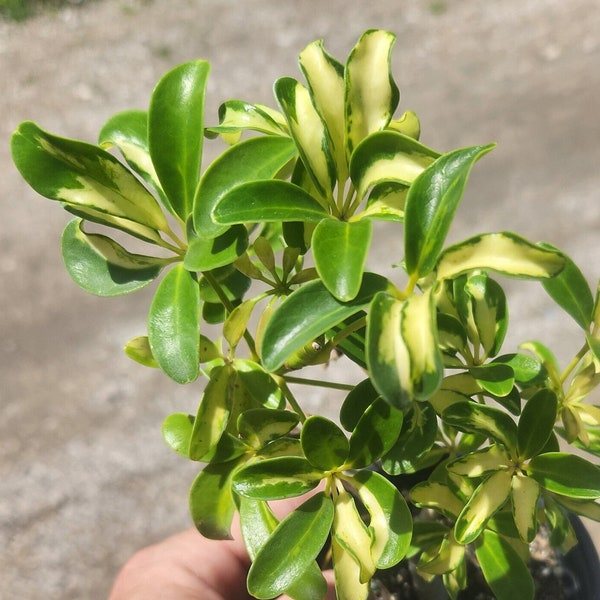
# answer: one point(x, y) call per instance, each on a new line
point(582, 566)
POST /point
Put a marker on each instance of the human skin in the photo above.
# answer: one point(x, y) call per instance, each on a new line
point(187, 566)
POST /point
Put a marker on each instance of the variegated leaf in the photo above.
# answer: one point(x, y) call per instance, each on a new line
point(402, 351)
point(525, 493)
point(352, 533)
point(83, 175)
point(388, 156)
point(308, 131)
point(371, 94)
point(390, 519)
point(506, 253)
point(103, 267)
point(347, 572)
point(488, 497)
point(325, 78)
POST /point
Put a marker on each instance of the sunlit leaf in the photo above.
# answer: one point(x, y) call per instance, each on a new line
point(138, 349)
point(506, 253)
point(371, 94)
point(259, 426)
point(503, 568)
point(324, 444)
point(536, 423)
point(308, 313)
point(176, 132)
point(177, 432)
point(206, 254)
point(340, 251)
point(103, 267)
point(430, 206)
point(174, 323)
point(291, 548)
point(525, 495)
point(259, 158)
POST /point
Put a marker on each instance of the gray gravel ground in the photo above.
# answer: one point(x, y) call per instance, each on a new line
point(84, 476)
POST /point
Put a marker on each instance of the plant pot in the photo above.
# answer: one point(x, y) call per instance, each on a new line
point(572, 576)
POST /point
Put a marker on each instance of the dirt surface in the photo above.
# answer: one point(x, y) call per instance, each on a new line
point(85, 478)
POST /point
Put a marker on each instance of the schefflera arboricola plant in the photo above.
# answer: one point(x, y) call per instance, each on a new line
point(439, 397)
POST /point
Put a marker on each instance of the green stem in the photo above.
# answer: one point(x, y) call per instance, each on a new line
point(573, 364)
point(291, 399)
point(216, 286)
point(319, 383)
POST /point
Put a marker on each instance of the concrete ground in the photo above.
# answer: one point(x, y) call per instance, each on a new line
point(85, 478)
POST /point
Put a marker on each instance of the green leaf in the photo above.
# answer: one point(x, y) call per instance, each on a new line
point(128, 131)
point(503, 568)
point(479, 418)
point(486, 314)
point(138, 349)
point(309, 132)
point(323, 443)
point(371, 94)
point(291, 548)
point(525, 495)
point(375, 433)
point(325, 78)
point(277, 478)
point(340, 251)
point(177, 432)
point(259, 158)
point(527, 370)
point(236, 116)
point(480, 462)
point(100, 266)
point(176, 132)
point(570, 290)
point(390, 518)
point(259, 426)
point(536, 423)
point(211, 500)
point(174, 323)
point(430, 206)
point(402, 351)
point(360, 397)
point(83, 175)
point(506, 253)
point(267, 201)
point(206, 254)
point(388, 156)
point(257, 524)
point(497, 379)
point(213, 413)
point(259, 383)
point(487, 498)
point(308, 313)
point(419, 430)
point(432, 494)
point(566, 474)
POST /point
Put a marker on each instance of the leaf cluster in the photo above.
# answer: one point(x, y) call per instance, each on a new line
point(271, 242)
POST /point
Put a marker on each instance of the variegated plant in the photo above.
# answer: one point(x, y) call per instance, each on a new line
point(439, 397)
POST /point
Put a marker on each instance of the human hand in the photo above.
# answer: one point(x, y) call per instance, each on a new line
point(187, 566)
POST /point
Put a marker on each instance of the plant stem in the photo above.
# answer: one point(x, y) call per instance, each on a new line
point(571, 366)
point(228, 306)
point(319, 383)
point(291, 399)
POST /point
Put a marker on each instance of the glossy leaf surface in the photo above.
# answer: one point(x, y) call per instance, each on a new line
point(177, 432)
point(206, 254)
point(566, 474)
point(536, 423)
point(430, 206)
point(340, 250)
point(308, 313)
point(267, 201)
point(291, 549)
point(277, 478)
point(211, 502)
point(82, 174)
point(176, 132)
point(402, 351)
point(324, 444)
point(103, 267)
point(174, 325)
point(503, 568)
point(506, 253)
point(371, 93)
point(259, 158)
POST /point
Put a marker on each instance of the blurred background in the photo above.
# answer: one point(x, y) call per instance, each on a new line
point(85, 478)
